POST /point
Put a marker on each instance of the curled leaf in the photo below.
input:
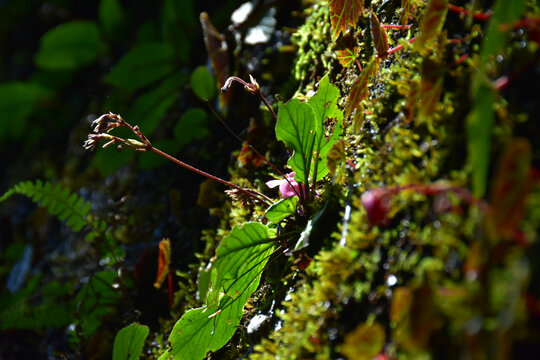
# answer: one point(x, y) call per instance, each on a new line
point(164, 261)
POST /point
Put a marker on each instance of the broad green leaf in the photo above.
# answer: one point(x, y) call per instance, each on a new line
point(344, 13)
point(240, 259)
point(203, 83)
point(281, 209)
point(142, 65)
point(17, 103)
point(324, 104)
point(481, 118)
point(69, 46)
point(301, 126)
point(129, 342)
point(192, 125)
point(296, 128)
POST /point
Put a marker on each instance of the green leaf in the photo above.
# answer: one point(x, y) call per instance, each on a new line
point(482, 117)
point(129, 342)
point(60, 202)
point(301, 126)
point(69, 46)
point(17, 103)
point(142, 65)
point(281, 209)
point(191, 126)
point(203, 83)
point(241, 257)
point(96, 299)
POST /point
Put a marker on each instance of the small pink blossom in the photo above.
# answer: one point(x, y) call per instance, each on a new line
point(377, 204)
point(287, 187)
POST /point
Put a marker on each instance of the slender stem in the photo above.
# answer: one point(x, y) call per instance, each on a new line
point(399, 47)
point(267, 105)
point(251, 193)
point(261, 156)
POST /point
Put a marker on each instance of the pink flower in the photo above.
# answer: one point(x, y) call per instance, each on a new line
point(377, 204)
point(287, 187)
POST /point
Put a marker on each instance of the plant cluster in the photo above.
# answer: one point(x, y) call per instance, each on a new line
point(393, 234)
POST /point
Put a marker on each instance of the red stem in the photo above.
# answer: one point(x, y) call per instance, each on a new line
point(475, 15)
point(400, 46)
point(251, 193)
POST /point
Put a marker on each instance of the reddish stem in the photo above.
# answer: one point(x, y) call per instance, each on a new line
point(475, 15)
point(400, 46)
point(251, 193)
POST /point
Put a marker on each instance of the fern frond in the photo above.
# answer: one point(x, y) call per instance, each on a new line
point(59, 201)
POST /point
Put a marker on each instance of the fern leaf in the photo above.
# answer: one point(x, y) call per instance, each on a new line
point(60, 202)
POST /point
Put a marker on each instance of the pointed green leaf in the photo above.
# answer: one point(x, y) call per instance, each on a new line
point(241, 257)
point(129, 342)
point(301, 126)
point(281, 209)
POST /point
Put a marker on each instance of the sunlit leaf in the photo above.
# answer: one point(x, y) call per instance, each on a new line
point(129, 342)
point(203, 83)
point(431, 23)
point(360, 89)
point(301, 126)
point(344, 13)
point(236, 273)
point(347, 56)
point(379, 36)
point(281, 209)
point(142, 65)
point(164, 260)
point(69, 46)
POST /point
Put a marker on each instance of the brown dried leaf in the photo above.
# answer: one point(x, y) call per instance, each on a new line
point(216, 46)
point(512, 184)
point(379, 36)
point(431, 24)
point(344, 13)
point(359, 89)
point(432, 76)
point(164, 261)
